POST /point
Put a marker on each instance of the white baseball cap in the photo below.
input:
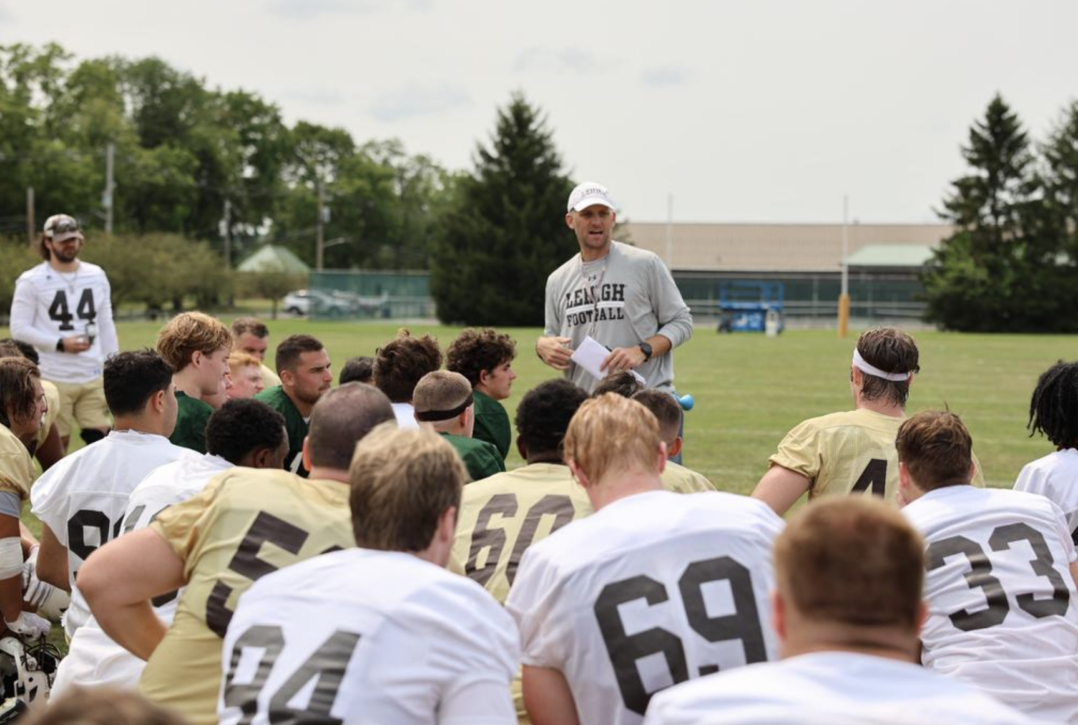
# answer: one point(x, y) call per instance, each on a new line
point(587, 194)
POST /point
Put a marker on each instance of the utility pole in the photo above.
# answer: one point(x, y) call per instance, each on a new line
point(31, 224)
point(844, 298)
point(228, 234)
point(110, 153)
point(319, 230)
point(670, 231)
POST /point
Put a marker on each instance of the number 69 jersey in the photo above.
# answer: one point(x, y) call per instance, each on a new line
point(361, 637)
point(650, 591)
point(1002, 604)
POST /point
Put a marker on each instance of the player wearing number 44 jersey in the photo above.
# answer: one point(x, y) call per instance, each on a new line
point(244, 524)
point(653, 589)
point(81, 500)
point(1000, 583)
point(64, 309)
point(853, 451)
point(320, 642)
point(847, 610)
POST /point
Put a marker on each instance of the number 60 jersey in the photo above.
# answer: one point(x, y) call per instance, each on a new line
point(1002, 605)
point(650, 591)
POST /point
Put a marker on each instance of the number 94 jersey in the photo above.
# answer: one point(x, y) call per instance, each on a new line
point(362, 637)
point(1002, 605)
point(652, 590)
point(244, 524)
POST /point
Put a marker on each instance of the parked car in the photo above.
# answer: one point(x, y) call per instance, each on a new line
point(307, 302)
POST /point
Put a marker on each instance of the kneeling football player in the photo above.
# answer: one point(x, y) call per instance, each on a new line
point(382, 633)
point(652, 589)
point(1000, 584)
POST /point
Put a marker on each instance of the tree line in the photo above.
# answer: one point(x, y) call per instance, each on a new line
point(183, 152)
point(187, 159)
point(1012, 263)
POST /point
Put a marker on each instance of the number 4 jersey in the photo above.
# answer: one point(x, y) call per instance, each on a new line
point(49, 305)
point(650, 591)
point(1002, 607)
point(361, 636)
point(848, 452)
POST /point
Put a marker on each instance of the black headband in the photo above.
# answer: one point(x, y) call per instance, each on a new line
point(432, 416)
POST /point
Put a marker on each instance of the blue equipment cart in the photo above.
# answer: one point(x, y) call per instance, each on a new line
point(747, 306)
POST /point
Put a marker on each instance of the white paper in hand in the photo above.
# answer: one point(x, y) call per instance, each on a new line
point(590, 355)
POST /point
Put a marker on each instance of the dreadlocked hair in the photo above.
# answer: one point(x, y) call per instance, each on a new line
point(1053, 409)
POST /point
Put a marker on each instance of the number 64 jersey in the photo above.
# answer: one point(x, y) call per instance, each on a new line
point(652, 590)
point(1002, 604)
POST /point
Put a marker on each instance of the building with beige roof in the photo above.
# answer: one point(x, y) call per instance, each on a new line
point(885, 262)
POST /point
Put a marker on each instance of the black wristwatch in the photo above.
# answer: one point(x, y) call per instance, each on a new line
point(647, 351)
point(60, 345)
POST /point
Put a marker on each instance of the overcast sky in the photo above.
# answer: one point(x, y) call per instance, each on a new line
point(759, 110)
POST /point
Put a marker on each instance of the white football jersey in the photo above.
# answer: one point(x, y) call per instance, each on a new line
point(651, 590)
point(829, 688)
point(49, 305)
point(93, 658)
point(1002, 604)
point(362, 637)
point(82, 498)
point(405, 415)
point(1055, 476)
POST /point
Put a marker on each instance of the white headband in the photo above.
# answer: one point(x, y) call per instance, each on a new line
point(860, 364)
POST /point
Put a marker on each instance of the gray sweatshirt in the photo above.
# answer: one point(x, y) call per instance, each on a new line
point(620, 300)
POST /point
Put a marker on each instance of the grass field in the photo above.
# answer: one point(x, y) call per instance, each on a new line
point(750, 390)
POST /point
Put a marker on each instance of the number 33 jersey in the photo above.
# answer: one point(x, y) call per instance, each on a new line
point(1002, 605)
point(48, 305)
point(650, 591)
point(363, 637)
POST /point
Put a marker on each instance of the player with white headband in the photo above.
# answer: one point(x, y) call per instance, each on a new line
point(852, 451)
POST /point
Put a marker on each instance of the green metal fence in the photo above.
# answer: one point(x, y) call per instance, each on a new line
point(874, 295)
point(811, 296)
point(371, 295)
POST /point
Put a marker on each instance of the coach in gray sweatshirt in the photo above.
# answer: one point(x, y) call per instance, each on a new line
point(621, 296)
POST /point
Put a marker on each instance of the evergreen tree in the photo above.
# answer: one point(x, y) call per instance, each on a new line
point(504, 230)
point(1061, 180)
point(998, 271)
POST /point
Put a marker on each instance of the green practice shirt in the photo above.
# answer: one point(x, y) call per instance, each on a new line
point(294, 423)
point(491, 423)
point(480, 458)
point(191, 422)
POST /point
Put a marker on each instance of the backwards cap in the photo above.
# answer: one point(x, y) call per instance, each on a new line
point(61, 227)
